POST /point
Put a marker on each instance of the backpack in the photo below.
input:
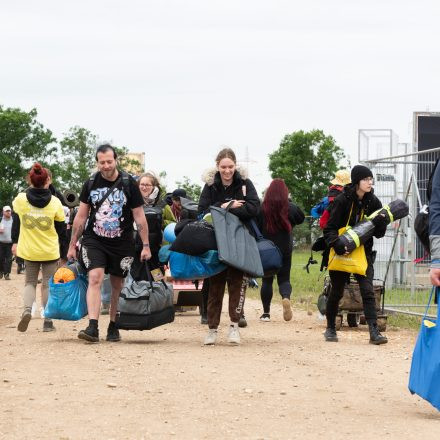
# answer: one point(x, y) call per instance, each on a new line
point(154, 215)
point(190, 209)
point(421, 222)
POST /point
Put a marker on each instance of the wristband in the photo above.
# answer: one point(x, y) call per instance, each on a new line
point(146, 245)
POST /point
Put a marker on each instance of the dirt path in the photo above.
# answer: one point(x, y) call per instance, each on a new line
point(283, 382)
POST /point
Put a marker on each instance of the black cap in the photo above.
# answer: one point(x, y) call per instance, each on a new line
point(360, 172)
point(177, 193)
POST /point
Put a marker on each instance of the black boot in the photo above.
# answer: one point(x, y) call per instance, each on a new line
point(330, 335)
point(375, 337)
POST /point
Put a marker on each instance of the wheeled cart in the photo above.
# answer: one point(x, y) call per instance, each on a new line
point(351, 306)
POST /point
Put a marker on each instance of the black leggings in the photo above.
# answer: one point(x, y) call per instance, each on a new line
point(283, 279)
point(339, 279)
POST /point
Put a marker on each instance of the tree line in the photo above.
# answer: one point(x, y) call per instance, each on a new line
point(307, 161)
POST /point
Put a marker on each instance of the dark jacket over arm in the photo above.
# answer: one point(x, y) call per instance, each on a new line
point(15, 230)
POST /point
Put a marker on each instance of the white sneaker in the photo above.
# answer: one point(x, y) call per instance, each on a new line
point(265, 317)
point(287, 309)
point(34, 310)
point(211, 337)
point(234, 335)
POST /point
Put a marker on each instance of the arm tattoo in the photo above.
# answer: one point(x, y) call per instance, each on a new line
point(76, 233)
point(139, 227)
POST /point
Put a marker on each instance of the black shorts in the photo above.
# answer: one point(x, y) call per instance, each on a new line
point(115, 259)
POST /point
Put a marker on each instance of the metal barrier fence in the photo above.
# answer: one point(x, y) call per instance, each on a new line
point(401, 259)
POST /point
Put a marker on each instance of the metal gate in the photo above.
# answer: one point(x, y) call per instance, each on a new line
point(401, 259)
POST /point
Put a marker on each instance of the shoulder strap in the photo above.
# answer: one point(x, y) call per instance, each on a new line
point(257, 232)
point(99, 204)
point(349, 215)
point(125, 182)
point(91, 181)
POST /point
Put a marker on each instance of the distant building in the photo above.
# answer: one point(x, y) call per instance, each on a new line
point(140, 157)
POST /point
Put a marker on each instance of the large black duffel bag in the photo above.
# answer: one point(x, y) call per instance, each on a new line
point(144, 305)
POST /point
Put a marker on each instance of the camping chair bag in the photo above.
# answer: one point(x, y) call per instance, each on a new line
point(236, 246)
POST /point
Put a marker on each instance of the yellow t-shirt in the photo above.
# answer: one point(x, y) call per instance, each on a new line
point(38, 240)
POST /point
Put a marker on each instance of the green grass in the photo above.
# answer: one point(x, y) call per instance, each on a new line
point(306, 287)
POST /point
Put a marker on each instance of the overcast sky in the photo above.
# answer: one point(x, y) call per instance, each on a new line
point(179, 79)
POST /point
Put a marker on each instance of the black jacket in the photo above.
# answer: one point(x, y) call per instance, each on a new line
point(340, 210)
point(216, 194)
point(282, 239)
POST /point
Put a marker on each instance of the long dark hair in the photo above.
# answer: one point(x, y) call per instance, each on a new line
point(276, 207)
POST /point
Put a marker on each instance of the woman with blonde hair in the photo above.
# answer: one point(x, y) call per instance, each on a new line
point(42, 227)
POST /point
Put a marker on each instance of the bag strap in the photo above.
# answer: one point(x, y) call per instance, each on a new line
point(257, 232)
point(150, 277)
point(349, 215)
point(99, 204)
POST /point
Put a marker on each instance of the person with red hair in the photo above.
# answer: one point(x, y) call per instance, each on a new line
point(277, 217)
point(41, 227)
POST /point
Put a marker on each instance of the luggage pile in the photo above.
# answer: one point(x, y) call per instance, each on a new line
point(193, 251)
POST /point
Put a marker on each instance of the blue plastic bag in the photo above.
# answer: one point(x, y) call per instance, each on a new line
point(67, 300)
point(424, 377)
point(189, 267)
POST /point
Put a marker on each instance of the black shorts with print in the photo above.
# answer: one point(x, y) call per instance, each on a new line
point(116, 258)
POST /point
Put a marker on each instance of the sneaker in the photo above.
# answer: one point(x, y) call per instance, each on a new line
point(234, 335)
point(242, 323)
point(24, 321)
point(7, 277)
point(330, 335)
point(287, 309)
point(113, 333)
point(265, 317)
point(90, 334)
point(105, 309)
point(48, 326)
point(211, 337)
point(1, 275)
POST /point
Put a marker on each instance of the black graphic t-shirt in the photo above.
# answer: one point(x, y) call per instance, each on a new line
point(114, 219)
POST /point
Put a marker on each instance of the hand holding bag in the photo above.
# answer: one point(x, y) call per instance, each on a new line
point(236, 246)
point(270, 255)
point(68, 300)
point(424, 377)
point(354, 262)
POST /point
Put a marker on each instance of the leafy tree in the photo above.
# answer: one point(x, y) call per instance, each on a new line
point(193, 190)
point(307, 161)
point(77, 159)
point(23, 141)
point(133, 166)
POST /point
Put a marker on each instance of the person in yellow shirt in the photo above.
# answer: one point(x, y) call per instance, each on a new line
point(41, 227)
